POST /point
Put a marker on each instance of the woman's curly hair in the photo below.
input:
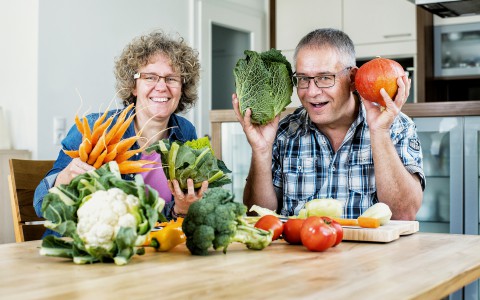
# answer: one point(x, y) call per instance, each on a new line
point(141, 51)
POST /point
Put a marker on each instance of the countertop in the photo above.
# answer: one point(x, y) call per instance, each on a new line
point(418, 266)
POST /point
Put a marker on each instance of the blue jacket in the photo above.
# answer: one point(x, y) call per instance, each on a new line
point(180, 129)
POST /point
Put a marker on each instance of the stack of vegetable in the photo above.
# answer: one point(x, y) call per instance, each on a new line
point(318, 226)
point(103, 143)
point(193, 159)
point(263, 84)
point(104, 217)
point(217, 221)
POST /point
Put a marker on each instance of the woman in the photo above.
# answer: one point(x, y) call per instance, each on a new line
point(160, 76)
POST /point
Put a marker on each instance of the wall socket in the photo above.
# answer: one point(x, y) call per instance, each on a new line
point(59, 130)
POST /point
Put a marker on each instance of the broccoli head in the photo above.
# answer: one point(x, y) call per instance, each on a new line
point(217, 221)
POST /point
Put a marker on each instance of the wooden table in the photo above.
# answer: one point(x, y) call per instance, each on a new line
point(419, 266)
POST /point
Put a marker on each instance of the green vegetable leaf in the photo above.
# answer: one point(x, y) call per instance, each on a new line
point(263, 84)
point(60, 208)
point(193, 159)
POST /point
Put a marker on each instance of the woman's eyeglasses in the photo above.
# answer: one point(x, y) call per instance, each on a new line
point(152, 79)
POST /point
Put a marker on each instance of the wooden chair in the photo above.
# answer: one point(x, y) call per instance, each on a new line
point(25, 175)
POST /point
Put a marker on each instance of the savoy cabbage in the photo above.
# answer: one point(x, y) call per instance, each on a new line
point(263, 84)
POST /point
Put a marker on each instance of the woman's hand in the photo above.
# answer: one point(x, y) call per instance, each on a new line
point(74, 168)
point(182, 201)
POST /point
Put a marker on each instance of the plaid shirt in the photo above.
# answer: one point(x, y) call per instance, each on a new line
point(305, 167)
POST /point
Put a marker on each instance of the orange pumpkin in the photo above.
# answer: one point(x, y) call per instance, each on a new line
point(376, 74)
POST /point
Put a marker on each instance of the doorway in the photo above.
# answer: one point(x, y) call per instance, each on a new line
point(227, 48)
point(240, 27)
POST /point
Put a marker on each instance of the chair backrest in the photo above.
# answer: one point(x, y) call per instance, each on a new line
point(25, 175)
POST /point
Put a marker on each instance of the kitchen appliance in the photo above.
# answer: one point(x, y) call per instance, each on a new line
point(449, 8)
point(457, 50)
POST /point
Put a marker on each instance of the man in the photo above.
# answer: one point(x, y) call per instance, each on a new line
point(335, 145)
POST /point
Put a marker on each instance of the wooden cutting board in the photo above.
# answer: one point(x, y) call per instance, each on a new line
point(384, 234)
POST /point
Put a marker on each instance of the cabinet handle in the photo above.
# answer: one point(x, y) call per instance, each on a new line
point(391, 36)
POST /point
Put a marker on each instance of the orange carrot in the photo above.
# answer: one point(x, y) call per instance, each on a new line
point(347, 222)
point(368, 222)
point(121, 130)
point(100, 120)
point(97, 150)
point(135, 166)
point(98, 163)
point(79, 124)
point(121, 118)
point(71, 153)
point(111, 154)
point(99, 130)
point(126, 155)
point(87, 132)
point(125, 144)
point(84, 150)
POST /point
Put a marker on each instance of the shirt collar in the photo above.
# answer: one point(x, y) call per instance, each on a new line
point(175, 132)
point(304, 124)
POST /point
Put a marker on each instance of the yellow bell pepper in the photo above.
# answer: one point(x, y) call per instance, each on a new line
point(168, 237)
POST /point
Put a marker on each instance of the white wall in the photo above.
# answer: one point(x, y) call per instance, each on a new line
point(58, 47)
point(18, 70)
point(78, 41)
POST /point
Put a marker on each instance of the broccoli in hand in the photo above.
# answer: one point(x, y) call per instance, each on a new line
point(216, 220)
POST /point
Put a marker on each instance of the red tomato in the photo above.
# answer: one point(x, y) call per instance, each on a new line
point(316, 235)
point(269, 222)
point(291, 231)
point(338, 228)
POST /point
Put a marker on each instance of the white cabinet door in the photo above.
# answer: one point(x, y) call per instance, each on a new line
point(294, 19)
point(379, 21)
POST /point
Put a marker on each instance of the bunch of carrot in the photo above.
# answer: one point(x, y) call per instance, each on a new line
point(101, 145)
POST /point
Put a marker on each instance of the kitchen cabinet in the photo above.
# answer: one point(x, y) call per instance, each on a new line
point(381, 27)
point(379, 21)
point(294, 19)
point(472, 194)
point(451, 154)
point(6, 223)
point(377, 27)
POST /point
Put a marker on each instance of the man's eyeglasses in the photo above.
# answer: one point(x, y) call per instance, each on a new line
point(321, 81)
point(153, 79)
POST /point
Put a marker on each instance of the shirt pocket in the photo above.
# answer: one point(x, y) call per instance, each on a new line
point(361, 174)
point(300, 178)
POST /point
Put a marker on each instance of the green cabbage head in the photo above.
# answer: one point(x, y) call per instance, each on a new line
point(263, 84)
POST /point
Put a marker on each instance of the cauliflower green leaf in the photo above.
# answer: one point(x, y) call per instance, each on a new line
point(104, 217)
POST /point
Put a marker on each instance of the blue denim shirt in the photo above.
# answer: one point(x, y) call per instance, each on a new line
point(180, 129)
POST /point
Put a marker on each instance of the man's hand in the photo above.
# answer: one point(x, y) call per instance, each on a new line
point(260, 137)
point(379, 118)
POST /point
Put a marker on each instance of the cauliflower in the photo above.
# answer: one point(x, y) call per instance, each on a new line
point(102, 215)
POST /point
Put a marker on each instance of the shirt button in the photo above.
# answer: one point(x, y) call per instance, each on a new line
point(299, 168)
point(333, 168)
